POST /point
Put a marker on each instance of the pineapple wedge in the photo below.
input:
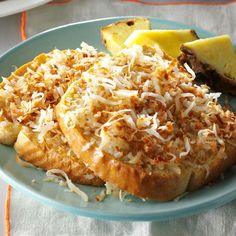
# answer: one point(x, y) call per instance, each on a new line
point(215, 59)
point(114, 35)
point(168, 40)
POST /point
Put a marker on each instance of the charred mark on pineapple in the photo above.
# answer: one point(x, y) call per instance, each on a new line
point(130, 23)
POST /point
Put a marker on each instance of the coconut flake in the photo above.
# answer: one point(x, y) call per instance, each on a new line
point(157, 96)
point(187, 147)
point(190, 71)
point(53, 173)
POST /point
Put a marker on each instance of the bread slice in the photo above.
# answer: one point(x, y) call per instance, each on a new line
point(9, 130)
point(133, 179)
point(28, 98)
point(54, 153)
point(144, 126)
point(214, 60)
point(213, 168)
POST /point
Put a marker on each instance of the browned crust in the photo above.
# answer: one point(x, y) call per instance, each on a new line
point(217, 166)
point(207, 73)
point(20, 72)
point(134, 180)
point(8, 135)
point(31, 152)
point(161, 186)
point(22, 69)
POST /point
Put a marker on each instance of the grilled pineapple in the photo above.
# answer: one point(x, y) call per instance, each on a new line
point(168, 40)
point(215, 60)
point(114, 35)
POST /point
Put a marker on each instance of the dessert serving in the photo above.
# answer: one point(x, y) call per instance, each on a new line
point(139, 122)
point(28, 98)
point(134, 119)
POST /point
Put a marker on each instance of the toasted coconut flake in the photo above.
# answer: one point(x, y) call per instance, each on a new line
point(157, 96)
point(187, 147)
point(53, 174)
point(190, 71)
point(23, 163)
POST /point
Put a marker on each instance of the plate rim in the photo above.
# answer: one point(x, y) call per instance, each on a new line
point(203, 206)
point(99, 214)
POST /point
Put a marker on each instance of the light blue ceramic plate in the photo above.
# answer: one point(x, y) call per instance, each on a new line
point(70, 36)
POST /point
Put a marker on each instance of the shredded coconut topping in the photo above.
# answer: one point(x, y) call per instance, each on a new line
point(139, 106)
point(30, 98)
point(32, 92)
point(146, 109)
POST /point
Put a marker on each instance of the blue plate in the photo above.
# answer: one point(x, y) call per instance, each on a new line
point(70, 36)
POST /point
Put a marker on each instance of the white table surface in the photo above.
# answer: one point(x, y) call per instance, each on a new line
point(9, 36)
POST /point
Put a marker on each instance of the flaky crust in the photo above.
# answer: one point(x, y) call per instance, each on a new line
point(30, 151)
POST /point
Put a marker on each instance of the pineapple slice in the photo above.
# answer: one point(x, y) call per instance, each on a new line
point(168, 40)
point(215, 59)
point(114, 35)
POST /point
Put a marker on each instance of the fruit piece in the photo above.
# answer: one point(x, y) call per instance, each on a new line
point(114, 35)
point(168, 40)
point(215, 60)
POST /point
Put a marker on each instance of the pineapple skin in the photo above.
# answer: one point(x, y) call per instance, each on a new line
point(213, 62)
